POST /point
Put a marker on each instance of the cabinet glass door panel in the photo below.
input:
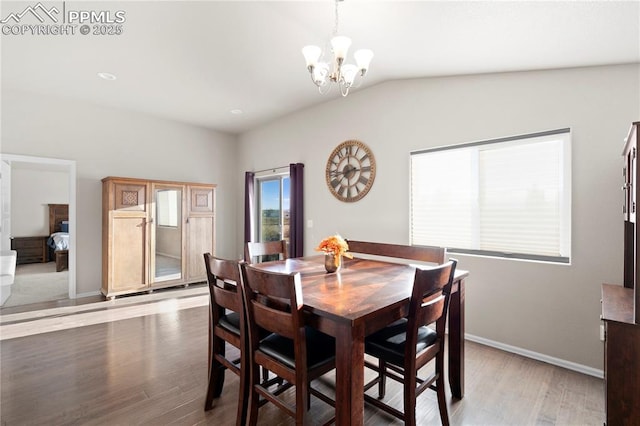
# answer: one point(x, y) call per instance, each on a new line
point(166, 243)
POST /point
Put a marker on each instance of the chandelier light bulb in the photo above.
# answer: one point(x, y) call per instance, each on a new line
point(349, 74)
point(311, 55)
point(320, 73)
point(340, 46)
point(363, 59)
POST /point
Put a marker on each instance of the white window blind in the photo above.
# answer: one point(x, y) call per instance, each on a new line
point(507, 197)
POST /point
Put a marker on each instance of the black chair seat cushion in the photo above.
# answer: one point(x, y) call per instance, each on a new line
point(321, 348)
point(388, 344)
point(230, 322)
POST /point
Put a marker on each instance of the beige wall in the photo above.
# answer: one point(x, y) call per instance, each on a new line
point(33, 191)
point(545, 308)
point(108, 142)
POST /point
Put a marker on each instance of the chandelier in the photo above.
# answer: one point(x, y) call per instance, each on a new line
point(322, 72)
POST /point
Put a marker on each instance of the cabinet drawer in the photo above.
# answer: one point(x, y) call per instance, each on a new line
point(28, 243)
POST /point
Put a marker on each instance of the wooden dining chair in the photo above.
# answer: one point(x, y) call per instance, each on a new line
point(226, 325)
point(269, 248)
point(295, 352)
point(430, 254)
point(405, 346)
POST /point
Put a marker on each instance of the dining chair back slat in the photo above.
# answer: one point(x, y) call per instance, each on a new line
point(430, 311)
point(276, 320)
point(258, 250)
point(226, 298)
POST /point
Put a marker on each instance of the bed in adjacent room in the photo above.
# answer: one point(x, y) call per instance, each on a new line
point(59, 235)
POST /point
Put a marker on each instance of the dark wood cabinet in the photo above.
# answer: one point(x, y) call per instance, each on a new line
point(30, 249)
point(621, 307)
point(621, 356)
point(630, 190)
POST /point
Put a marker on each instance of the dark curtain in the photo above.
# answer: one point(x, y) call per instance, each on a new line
point(248, 207)
point(296, 213)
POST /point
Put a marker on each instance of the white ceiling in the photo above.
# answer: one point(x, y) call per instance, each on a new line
point(196, 61)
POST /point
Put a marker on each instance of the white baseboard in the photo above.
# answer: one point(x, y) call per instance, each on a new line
point(538, 356)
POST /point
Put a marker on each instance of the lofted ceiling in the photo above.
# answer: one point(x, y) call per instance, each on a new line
point(196, 61)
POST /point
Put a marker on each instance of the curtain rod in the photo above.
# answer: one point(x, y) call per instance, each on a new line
point(272, 169)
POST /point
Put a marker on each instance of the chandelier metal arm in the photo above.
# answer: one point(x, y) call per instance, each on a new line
point(336, 75)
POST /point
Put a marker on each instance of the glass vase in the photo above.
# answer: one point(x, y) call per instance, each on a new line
point(332, 262)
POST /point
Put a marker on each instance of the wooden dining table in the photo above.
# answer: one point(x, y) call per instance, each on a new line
point(362, 297)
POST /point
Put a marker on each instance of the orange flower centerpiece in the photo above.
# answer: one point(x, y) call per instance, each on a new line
point(334, 248)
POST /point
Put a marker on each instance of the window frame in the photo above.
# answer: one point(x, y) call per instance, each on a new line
point(280, 177)
point(564, 199)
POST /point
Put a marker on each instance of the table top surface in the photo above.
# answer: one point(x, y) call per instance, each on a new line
point(361, 288)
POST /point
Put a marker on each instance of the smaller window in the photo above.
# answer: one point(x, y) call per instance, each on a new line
point(273, 207)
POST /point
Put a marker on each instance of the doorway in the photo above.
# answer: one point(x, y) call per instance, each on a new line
point(24, 163)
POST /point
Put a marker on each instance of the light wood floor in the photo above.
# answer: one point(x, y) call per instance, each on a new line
point(152, 369)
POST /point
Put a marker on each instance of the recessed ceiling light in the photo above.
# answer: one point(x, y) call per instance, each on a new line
point(236, 111)
point(107, 76)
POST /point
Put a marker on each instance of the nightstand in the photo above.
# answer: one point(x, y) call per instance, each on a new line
point(30, 249)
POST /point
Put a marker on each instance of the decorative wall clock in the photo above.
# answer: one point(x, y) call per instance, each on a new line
point(351, 169)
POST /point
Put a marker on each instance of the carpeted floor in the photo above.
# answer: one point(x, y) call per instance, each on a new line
point(38, 282)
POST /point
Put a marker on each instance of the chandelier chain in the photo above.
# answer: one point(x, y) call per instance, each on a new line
point(335, 25)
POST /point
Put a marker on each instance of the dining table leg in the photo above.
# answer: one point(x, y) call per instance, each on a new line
point(456, 340)
point(349, 374)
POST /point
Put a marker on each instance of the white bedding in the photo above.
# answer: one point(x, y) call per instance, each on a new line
point(59, 240)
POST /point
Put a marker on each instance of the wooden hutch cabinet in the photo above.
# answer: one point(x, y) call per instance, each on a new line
point(154, 234)
point(621, 308)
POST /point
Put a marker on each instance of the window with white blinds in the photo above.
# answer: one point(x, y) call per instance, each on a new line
point(507, 197)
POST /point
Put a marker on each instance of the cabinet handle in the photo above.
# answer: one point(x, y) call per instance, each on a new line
point(145, 222)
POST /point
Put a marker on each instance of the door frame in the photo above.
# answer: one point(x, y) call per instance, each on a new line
point(70, 167)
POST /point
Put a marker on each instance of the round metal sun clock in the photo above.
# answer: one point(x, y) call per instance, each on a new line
point(351, 169)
